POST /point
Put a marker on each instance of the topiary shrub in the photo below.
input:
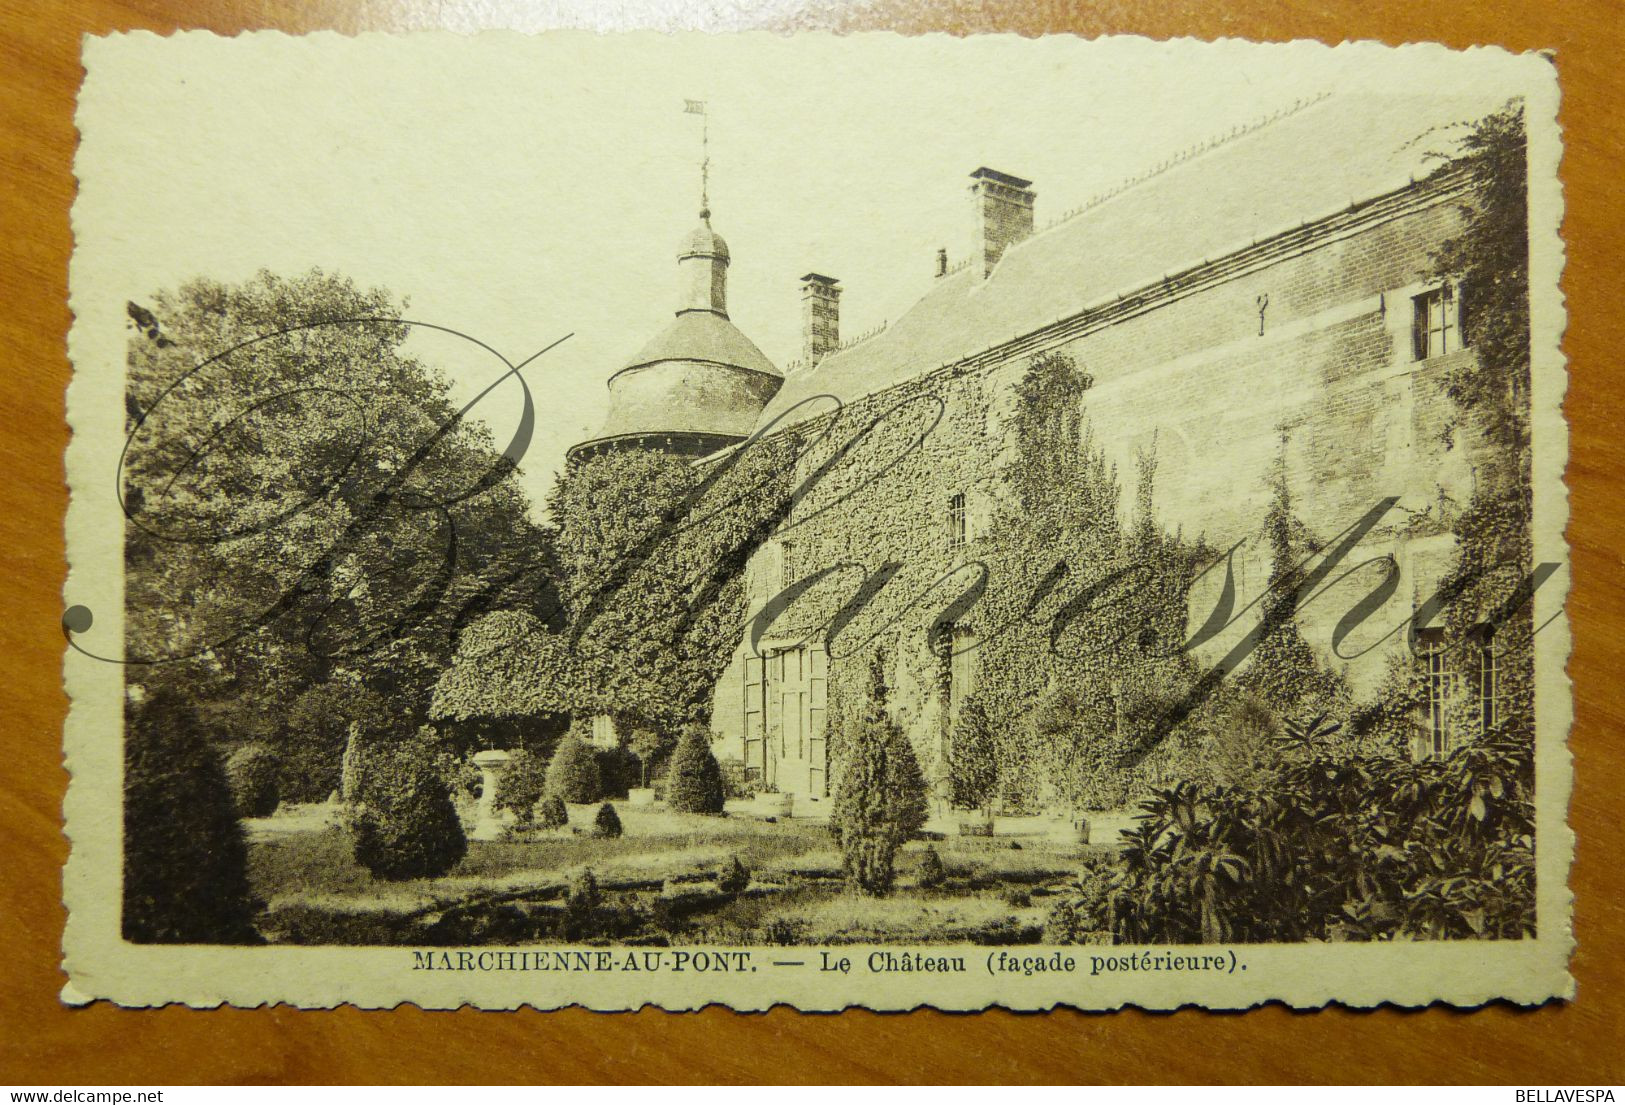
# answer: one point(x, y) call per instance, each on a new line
point(551, 814)
point(880, 800)
point(524, 781)
point(185, 860)
point(403, 824)
point(607, 823)
point(734, 878)
point(572, 776)
point(252, 772)
point(694, 783)
point(932, 872)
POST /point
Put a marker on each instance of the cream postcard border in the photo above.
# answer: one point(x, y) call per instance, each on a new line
point(100, 965)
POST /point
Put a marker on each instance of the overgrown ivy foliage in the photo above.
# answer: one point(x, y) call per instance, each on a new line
point(651, 555)
point(1283, 671)
point(1083, 618)
point(1489, 261)
point(1378, 846)
point(305, 508)
point(653, 551)
point(1487, 586)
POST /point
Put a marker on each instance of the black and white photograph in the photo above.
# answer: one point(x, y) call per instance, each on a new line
point(622, 519)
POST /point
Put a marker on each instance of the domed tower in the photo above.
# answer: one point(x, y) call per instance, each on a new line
point(701, 383)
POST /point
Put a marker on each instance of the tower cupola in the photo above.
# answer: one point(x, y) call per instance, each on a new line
point(702, 266)
point(700, 385)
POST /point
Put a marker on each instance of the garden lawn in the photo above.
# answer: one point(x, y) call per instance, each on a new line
point(659, 885)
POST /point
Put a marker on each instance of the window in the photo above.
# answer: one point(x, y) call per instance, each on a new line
point(956, 522)
point(1440, 685)
point(1456, 698)
point(603, 731)
point(1487, 682)
point(785, 571)
point(961, 668)
point(1433, 327)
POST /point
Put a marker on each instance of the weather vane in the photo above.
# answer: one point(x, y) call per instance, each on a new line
point(697, 107)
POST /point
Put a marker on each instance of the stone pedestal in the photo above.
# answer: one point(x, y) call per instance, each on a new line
point(488, 823)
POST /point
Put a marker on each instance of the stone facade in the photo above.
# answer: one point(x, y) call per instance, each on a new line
point(1308, 335)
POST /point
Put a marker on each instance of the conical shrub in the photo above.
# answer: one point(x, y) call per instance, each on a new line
point(694, 784)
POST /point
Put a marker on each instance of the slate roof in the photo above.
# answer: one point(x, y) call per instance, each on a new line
point(1312, 161)
point(703, 336)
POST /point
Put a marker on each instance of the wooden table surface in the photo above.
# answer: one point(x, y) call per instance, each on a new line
point(45, 1043)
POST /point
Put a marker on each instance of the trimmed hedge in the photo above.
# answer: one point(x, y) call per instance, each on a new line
point(552, 814)
point(618, 772)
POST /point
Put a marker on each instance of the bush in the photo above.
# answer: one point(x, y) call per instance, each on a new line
point(932, 872)
point(737, 782)
point(584, 893)
point(607, 823)
point(880, 799)
point(734, 878)
point(1368, 849)
point(523, 784)
point(1086, 750)
point(252, 772)
point(313, 741)
point(1084, 915)
point(551, 814)
point(618, 771)
point(185, 860)
point(694, 783)
point(403, 824)
point(1243, 749)
point(573, 774)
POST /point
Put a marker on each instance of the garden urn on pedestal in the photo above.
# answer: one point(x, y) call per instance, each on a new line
point(488, 824)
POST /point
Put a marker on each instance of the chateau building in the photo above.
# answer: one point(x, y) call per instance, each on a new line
point(1265, 295)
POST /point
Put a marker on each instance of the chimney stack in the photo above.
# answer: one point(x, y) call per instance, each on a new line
point(942, 262)
point(820, 316)
point(1004, 213)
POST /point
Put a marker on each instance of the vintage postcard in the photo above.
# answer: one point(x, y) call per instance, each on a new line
point(621, 520)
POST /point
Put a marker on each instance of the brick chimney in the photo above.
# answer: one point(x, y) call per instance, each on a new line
point(820, 316)
point(1004, 213)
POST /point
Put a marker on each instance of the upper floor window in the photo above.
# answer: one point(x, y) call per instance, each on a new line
point(1434, 331)
point(957, 532)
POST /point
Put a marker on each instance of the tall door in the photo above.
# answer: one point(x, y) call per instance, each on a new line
point(796, 702)
point(756, 758)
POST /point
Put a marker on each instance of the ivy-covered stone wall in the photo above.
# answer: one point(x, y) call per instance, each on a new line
point(1312, 345)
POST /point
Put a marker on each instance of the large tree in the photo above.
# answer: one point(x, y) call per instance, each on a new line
point(305, 505)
